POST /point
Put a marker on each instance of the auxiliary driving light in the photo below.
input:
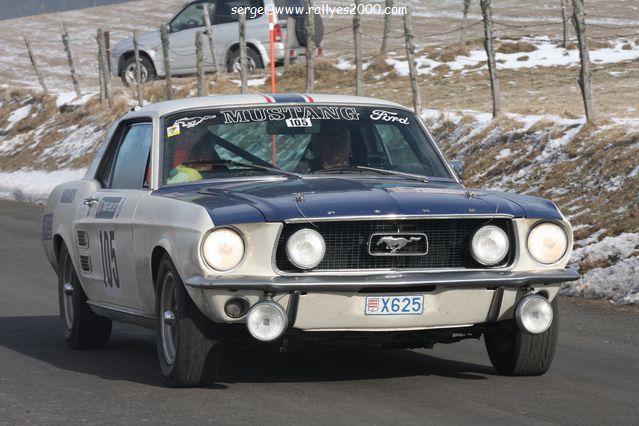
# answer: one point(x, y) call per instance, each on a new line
point(534, 314)
point(267, 321)
point(306, 248)
point(489, 245)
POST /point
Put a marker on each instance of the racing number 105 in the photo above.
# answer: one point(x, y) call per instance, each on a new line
point(109, 261)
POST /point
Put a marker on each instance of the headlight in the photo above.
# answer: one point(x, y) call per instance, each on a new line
point(305, 248)
point(489, 245)
point(223, 249)
point(547, 242)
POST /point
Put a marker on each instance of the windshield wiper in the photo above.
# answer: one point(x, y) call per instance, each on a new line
point(420, 178)
point(218, 163)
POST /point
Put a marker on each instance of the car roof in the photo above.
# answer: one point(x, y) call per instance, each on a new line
point(160, 109)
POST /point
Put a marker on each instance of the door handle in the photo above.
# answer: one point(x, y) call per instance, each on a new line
point(90, 201)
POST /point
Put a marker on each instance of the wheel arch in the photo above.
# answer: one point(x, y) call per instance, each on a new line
point(130, 53)
point(250, 44)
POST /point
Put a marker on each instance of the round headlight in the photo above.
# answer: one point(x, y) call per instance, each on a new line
point(490, 245)
point(547, 242)
point(305, 248)
point(223, 249)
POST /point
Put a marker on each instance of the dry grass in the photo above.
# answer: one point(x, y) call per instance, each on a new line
point(523, 58)
point(516, 47)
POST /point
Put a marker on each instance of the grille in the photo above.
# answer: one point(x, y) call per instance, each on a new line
point(347, 244)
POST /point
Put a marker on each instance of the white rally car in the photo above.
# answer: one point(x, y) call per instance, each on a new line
point(292, 218)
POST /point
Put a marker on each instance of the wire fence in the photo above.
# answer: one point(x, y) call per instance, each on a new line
point(602, 27)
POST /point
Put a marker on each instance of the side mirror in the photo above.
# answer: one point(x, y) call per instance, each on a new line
point(458, 167)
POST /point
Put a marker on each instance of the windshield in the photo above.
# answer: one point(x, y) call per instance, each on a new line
point(295, 140)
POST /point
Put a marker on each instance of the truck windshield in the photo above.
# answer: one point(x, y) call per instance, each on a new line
point(296, 140)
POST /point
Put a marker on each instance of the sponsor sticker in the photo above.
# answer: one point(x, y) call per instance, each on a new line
point(173, 130)
point(47, 227)
point(68, 195)
point(109, 208)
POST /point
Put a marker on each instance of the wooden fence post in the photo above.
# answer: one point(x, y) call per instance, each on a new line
point(67, 48)
point(487, 14)
point(209, 34)
point(357, 39)
point(412, 68)
point(243, 56)
point(106, 73)
point(585, 75)
point(290, 37)
point(138, 69)
point(384, 48)
point(164, 35)
point(310, 49)
point(27, 42)
point(199, 58)
point(564, 22)
point(100, 76)
point(462, 37)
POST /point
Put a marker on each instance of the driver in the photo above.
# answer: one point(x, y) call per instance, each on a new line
point(333, 146)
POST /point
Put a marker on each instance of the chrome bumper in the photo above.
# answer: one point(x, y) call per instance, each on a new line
point(331, 283)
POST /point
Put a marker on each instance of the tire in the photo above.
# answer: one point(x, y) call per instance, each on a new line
point(82, 328)
point(301, 23)
point(516, 353)
point(189, 350)
point(253, 59)
point(128, 70)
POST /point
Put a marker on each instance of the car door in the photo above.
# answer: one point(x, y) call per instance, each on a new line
point(227, 27)
point(106, 227)
point(182, 30)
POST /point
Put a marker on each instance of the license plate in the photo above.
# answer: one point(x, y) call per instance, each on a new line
point(394, 305)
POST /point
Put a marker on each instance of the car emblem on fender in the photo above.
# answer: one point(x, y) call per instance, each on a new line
point(398, 244)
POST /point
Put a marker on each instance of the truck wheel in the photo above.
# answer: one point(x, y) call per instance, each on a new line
point(516, 353)
point(147, 72)
point(82, 328)
point(188, 350)
point(253, 60)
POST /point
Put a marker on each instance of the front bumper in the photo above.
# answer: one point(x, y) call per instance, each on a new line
point(379, 282)
point(337, 303)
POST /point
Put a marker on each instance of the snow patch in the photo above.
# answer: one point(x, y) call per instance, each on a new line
point(17, 115)
point(34, 185)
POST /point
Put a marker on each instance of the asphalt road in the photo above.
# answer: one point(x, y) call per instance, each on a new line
point(594, 379)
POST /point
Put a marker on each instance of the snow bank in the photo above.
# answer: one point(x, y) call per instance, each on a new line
point(34, 185)
point(547, 54)
point(619, 283)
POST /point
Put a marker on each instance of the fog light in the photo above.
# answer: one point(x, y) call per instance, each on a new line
point(236, 307)
point(534, 314)
point(267, 321)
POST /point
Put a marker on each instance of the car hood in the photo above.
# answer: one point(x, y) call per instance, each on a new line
point(147, 41)
point(278, 200)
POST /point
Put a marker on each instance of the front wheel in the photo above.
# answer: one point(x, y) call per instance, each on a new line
point(253, 60)
point(82, 328)
point(516, 353)
point(188, 349)
point(128, 71)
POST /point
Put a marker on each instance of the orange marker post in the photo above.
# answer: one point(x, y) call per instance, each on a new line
point(271, 30)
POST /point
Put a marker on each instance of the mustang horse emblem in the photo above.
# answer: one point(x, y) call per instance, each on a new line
point(394, 244)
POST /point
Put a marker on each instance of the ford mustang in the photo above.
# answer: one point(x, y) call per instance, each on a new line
point(289, 219)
